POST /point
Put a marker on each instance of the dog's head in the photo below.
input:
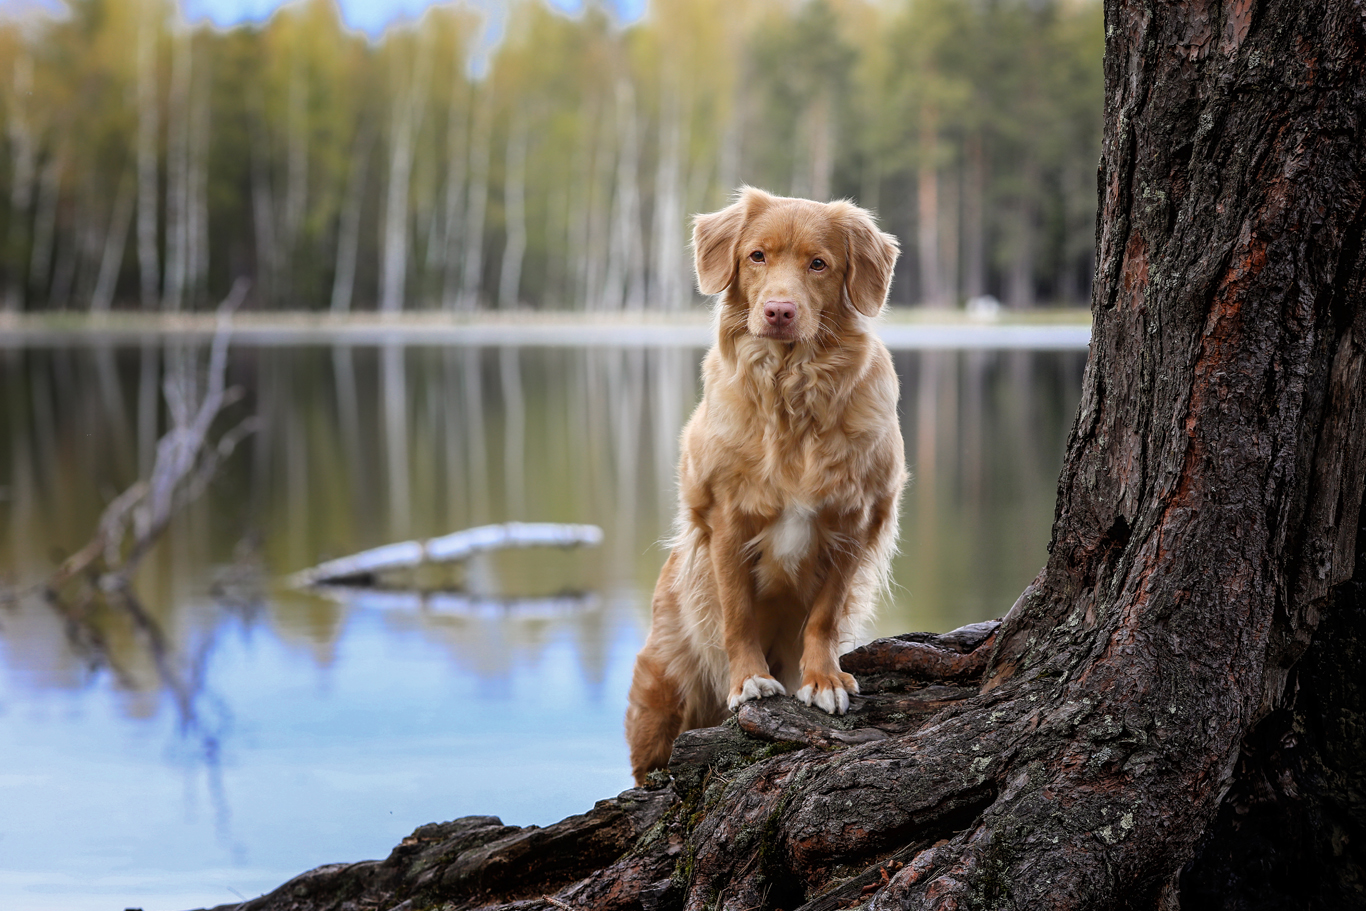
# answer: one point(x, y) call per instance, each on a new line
point(793, 268)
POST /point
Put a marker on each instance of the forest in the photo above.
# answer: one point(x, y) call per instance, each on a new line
point(546, 161)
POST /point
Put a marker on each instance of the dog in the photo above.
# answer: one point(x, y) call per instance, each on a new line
point(790, 473)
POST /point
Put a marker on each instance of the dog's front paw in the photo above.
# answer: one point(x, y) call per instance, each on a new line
point(829, 692)
point(755, 686)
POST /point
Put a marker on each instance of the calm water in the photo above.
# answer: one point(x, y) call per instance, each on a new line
point(313, 730)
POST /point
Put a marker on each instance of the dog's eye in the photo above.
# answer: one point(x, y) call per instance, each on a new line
point(818, 265)
point(757, 256)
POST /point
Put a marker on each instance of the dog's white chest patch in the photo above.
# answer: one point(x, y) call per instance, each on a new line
point(789, 539)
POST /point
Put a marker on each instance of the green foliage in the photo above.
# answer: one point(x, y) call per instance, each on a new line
point(570, 163)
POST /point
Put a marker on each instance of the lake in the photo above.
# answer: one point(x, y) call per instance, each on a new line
point(307, 729)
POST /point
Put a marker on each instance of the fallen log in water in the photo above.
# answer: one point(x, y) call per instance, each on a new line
point(362, 568)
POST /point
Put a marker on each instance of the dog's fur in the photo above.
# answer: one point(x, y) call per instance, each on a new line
point(790, 474)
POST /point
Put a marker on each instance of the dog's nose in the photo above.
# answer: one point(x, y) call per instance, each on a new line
point(780, 313)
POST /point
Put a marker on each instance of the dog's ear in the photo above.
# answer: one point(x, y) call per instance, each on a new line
point(714, 239)
point(872, 256)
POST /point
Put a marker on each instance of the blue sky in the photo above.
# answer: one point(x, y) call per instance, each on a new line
point(370, 16)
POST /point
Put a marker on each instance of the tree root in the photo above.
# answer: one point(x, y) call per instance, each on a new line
point(742, 808)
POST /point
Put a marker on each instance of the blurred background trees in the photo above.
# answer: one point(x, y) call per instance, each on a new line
point(147, 162)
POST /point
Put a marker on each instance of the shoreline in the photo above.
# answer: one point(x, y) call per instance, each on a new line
point(900, 328)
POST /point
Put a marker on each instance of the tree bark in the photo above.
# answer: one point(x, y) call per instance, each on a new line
point(1169, 714)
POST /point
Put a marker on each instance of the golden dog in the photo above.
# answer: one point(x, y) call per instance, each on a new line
point(790, 474)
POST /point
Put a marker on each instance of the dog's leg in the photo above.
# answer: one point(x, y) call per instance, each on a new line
point(823, 683)
point(749, 673)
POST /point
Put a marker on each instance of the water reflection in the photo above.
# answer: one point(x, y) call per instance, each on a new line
point(361, 446)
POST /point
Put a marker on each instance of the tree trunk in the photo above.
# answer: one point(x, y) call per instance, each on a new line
point(927, 212)
point(264, 222)
point(115, 239)
point(296, 174)
point(623, 284)
point(1024, 228)
point(348, 230)
point(198, 254)
point(45, 228)
point(669, 277)
point(974, 219)
point(1145, 729)
point(407, 118)
point(514, 208)
point(24, 155)
point(148, 132)
point(481, 148)
point(457, 164)
point(178, 172)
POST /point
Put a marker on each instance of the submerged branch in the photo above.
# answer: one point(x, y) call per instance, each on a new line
point(97, 578)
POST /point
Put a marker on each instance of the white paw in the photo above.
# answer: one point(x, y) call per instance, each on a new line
point(833, 700)
point(755, 687)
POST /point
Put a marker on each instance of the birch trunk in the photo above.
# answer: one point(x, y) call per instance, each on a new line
point(76, 247)
point(583, 223)
point(514, 208)
point(24, 154)
point(622, 286)
point(348, 231)
point(296, 176)
point(600, 221)
point(481, 149)
point(458, 141)
point(178, 224)
point(147, 157)
point(263, 207)
point(45, 227)
point(197, 254)
point(670, 275)
point(407, 118)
